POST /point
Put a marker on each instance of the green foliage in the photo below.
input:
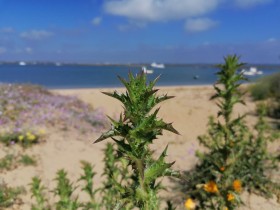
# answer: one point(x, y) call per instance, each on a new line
point(28, 160)
point(236, 158)
point(87, 178)
point(135, 130)
point(8, 195)
point(116, 174)
point(7, 162)
point(64, 190)
point(11, 161)
point(266, 87)
point(37, 190)
point(24, 139)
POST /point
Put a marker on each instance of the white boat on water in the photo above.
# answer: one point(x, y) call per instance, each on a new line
point(22, 63)
point(253, 71)
point(147, 71)
point(158, 65)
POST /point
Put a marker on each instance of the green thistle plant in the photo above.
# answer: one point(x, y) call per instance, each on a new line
point(37, 190)
point(65, 191)
point(260, 162)
point(87, 177)
point(135, 130)
point(236, 159)
point(116, 173)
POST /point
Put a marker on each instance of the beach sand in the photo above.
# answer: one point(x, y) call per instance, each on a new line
point(189, 111)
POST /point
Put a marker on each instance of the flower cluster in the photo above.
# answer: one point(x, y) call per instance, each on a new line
point(23, 138)
point(27, 107)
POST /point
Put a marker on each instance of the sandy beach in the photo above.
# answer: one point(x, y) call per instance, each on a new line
point(189, 112)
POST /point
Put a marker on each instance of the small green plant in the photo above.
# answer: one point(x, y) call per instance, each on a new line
point(261, 162)
point(105, 197)
point(7, 162)
point(64, 190)
point(87, 178)
point(236, 159)
point(8, 195)
point(37, 190)
point(116, 172)
point(28, 160)
point(135, 130)
point(11, 161)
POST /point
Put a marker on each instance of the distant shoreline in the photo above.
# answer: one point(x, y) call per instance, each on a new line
point(212, 65)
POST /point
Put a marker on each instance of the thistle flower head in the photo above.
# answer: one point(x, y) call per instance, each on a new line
point(230, 197)
point(211, 187)
point(237, 186)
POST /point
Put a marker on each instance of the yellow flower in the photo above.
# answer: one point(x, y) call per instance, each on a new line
point(31, 137)
point(230, 197)
point(211, 187)
point(190, 204)
point(42, 132)
point(237, 186)
point(225, 208)
point(20, 137)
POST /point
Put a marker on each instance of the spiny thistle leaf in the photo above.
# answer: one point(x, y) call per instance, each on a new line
point(152, 83)
point(106, 135)
point(166, 126)
point(115, 95)
point(158, 168)
point(163, 98)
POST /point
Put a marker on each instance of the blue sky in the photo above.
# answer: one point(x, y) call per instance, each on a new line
point(134, 31)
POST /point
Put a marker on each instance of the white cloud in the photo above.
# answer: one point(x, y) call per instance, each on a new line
point(3, 50)
point(96, 21)
point(160, 10)
point(131, 24)
point(29, 50)
point(145, 11)
point(7, 30)
point(36, 34)
point(199, 24)
point(250, 3)
point(271, 40)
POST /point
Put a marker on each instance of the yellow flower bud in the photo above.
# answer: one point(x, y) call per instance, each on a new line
point(42, 132)
point(31, 137)
point(230, 197)
point(20, 137)
point(211, 187)
point(190, 204)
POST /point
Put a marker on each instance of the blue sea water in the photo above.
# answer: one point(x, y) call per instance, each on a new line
point(81, 76)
